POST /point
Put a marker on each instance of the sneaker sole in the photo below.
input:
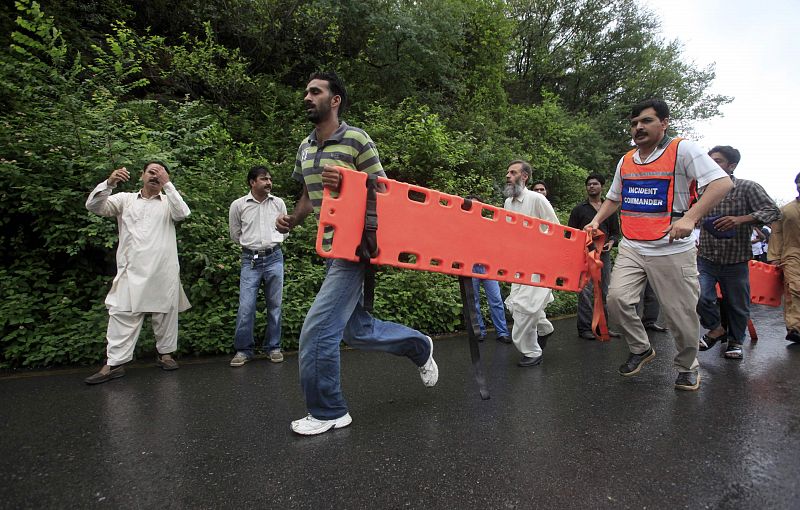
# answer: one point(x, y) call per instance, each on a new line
point(689, 388)
point(339, 423)
point(243, 363)
point(639, 368)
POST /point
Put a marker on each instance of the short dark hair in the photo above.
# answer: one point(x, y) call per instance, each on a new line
point(526, 167)
point(597, 177)
point(336, 86)
point(254, 172)
point(539, 182)
point(731, 154)
point(797, 179)
point(661, 108)
point(155, 162)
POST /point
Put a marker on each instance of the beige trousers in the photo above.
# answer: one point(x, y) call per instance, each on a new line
point(124, 328)
point(675, 280)
point(791, 298)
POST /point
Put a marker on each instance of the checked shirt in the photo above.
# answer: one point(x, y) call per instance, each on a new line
point(746, 197)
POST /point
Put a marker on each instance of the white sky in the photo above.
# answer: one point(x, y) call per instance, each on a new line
point(756, 48)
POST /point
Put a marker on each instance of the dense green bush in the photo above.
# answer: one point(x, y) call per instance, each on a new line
point(212, 88)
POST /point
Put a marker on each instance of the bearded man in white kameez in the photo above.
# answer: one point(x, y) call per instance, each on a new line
point(148, 273)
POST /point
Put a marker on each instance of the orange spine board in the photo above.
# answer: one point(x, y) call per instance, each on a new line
point(766, 284)
point(426, 230)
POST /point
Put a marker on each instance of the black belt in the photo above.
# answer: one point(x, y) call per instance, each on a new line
point(261, 253)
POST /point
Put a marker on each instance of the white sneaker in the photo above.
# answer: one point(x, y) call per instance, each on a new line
point(276, 356)
point(310, 426)
point(429, 372)
point(240, 359)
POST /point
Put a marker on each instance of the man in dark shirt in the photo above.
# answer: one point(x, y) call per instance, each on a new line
point(581, 215)
point(724, 254)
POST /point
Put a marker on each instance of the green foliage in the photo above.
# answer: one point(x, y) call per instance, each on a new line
point(450, 90)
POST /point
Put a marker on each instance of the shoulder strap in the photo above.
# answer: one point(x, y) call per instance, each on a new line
point(369, 242)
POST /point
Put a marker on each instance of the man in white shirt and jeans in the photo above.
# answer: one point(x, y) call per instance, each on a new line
point(251, 220)
point(651, 185)
point(148, 273)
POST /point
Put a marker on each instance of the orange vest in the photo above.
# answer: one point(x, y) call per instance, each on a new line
point(647, 194)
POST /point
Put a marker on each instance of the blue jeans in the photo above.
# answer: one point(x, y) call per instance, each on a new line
point(734, 282)
point(496, 307)
point(586, 297)
point(337, 314)
point(268, 269)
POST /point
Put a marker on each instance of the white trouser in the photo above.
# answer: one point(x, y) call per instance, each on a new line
point(124, 328)
point(545, 327)
point(524, 334)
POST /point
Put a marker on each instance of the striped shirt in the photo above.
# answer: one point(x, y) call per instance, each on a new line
point(746, 197)
point(348, 147)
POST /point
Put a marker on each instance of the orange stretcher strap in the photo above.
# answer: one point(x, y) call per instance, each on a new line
point(427, 230)
point(595, 264)
point(766, 284)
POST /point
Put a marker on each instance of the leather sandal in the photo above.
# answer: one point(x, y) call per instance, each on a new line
point(708, 341)
point(167, 364)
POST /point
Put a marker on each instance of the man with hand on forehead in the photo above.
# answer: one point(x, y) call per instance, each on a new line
point(148, 274)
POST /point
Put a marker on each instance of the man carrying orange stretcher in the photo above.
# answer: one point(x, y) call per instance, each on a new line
point(337, 312)
point(651, 185)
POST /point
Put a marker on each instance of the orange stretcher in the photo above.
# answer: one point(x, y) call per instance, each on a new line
point(766, 288)
point(427, 230)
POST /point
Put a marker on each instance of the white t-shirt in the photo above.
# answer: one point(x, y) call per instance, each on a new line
point(758, 247)
point(692, 163)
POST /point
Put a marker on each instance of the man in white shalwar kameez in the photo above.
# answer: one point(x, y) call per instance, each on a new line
point(527, 303)
point(148, 274)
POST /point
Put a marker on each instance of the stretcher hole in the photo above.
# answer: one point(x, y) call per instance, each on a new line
point(511, 219)
point(518, 276)
point(560, 281)
point(417, 196)
point(466, 205)
point(436, 262)
point(544, 228)
point(501, 272)
point(329, 231)
point(487, 213)
point(457, 265)
point(536, 278)
point(567, 234)
point(444, 202)
point(526, 224)
point(407, 258)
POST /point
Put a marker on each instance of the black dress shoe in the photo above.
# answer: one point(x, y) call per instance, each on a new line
point(503, 339)
point(586, 335)
point(542, 340)
point(655, 327)
point(793, 336)
point(527, 361)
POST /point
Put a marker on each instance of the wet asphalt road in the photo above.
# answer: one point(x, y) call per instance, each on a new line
point(570, 433)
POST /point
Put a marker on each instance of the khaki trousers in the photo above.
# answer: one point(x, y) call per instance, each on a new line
point(791, 298)
point(124, 328)
point(674, 278)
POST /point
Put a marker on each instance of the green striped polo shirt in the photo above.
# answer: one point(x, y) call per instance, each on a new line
point(348, 147)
